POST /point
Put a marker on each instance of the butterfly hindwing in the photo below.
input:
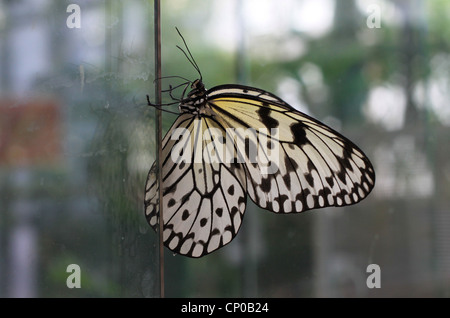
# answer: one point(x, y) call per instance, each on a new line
point(204, 198)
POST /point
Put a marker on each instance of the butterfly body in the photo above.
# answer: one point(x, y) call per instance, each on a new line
point(195, 102)
point(234, 141)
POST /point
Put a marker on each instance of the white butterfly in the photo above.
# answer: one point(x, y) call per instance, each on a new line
point(234, 141)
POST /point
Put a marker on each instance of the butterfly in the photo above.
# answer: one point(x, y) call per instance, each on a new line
point(231, 142)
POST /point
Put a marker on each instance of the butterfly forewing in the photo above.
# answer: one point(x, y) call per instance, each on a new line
point(317, 166)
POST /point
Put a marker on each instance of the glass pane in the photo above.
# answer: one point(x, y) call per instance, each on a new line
point(77, 141)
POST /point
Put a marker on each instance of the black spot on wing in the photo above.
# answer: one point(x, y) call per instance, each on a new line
point(299, 132)
point(287, 180)
point(265, 185)
point(309, 179)
point(330, 181)
point(219, 212)
point(266, 119)
point(288, 162)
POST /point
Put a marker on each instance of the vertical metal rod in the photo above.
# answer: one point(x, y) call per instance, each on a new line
point(157, 16)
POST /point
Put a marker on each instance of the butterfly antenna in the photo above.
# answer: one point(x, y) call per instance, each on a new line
point(189, 57)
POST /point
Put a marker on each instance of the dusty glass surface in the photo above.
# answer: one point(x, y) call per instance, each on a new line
point(79, 140)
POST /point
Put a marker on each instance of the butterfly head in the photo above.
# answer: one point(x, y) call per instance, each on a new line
point(197, 86)
point(196, 98)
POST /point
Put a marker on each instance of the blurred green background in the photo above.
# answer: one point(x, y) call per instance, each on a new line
point(77, 140)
